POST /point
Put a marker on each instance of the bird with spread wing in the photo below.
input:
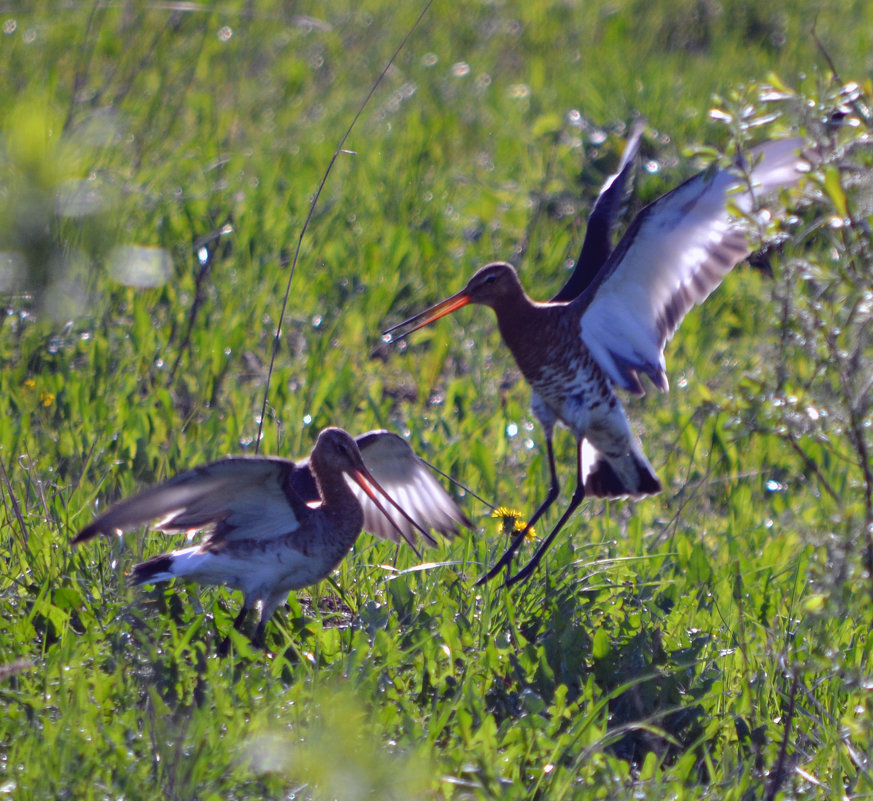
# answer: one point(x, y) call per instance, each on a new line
point(276, 525)
point(610, 323)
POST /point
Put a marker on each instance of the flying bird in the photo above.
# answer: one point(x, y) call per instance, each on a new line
point(608, 326)
point(278, 525)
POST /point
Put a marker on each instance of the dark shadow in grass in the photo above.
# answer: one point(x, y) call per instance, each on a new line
point(660, 689)
point(652, 692)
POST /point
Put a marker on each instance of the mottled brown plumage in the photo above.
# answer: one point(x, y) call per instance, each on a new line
point(573, 352)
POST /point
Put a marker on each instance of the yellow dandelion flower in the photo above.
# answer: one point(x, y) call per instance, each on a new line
point(513, 521)
point(30, 384)
point(46, 398)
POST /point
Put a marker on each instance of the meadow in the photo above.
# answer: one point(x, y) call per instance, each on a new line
point(157, 164)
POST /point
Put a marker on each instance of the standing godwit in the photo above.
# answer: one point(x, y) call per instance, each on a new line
point(572, 351)
point(278, 525)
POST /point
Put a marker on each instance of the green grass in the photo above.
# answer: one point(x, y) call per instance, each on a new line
point(682, 647)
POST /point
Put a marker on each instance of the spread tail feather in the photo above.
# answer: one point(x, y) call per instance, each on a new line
point(629, 476)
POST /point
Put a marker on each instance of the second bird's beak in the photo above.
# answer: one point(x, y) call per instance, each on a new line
point(428, 316)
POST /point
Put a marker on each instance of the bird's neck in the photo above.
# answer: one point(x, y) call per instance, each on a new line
point(520, 320)
point(340, 506)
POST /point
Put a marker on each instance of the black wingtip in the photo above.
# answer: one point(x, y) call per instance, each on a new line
point(87, 533)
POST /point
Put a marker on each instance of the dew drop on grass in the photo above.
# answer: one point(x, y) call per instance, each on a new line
point(511, 430)
point(598, 137)
point(774, 95)
point(307, 419)
point(720, 116)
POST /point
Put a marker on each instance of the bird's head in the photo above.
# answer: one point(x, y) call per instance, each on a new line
point(491, 285)
point(336, 452)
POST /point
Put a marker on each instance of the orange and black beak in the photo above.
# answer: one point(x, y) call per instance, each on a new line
point(364, 479)
point(429, 316)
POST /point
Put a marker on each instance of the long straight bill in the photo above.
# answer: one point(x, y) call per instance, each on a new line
point(428, 316)
point(364, 479)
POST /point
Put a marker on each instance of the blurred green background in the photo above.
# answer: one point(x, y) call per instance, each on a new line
point(157, 161)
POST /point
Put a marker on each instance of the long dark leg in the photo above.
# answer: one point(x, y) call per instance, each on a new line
point(578, 495)
point(260, 638)
point(238, 623)
point(268, 606)
point(554, 489)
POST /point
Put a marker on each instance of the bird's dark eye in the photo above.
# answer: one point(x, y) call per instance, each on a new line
point(490, 279)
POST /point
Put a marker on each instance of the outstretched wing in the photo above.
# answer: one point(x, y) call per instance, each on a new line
point(674, 254)
point(601, 222)
point(407, 479)
point(240, 497)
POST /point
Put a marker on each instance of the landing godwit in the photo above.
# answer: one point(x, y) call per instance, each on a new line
point(572, 351)
point(278, 525)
